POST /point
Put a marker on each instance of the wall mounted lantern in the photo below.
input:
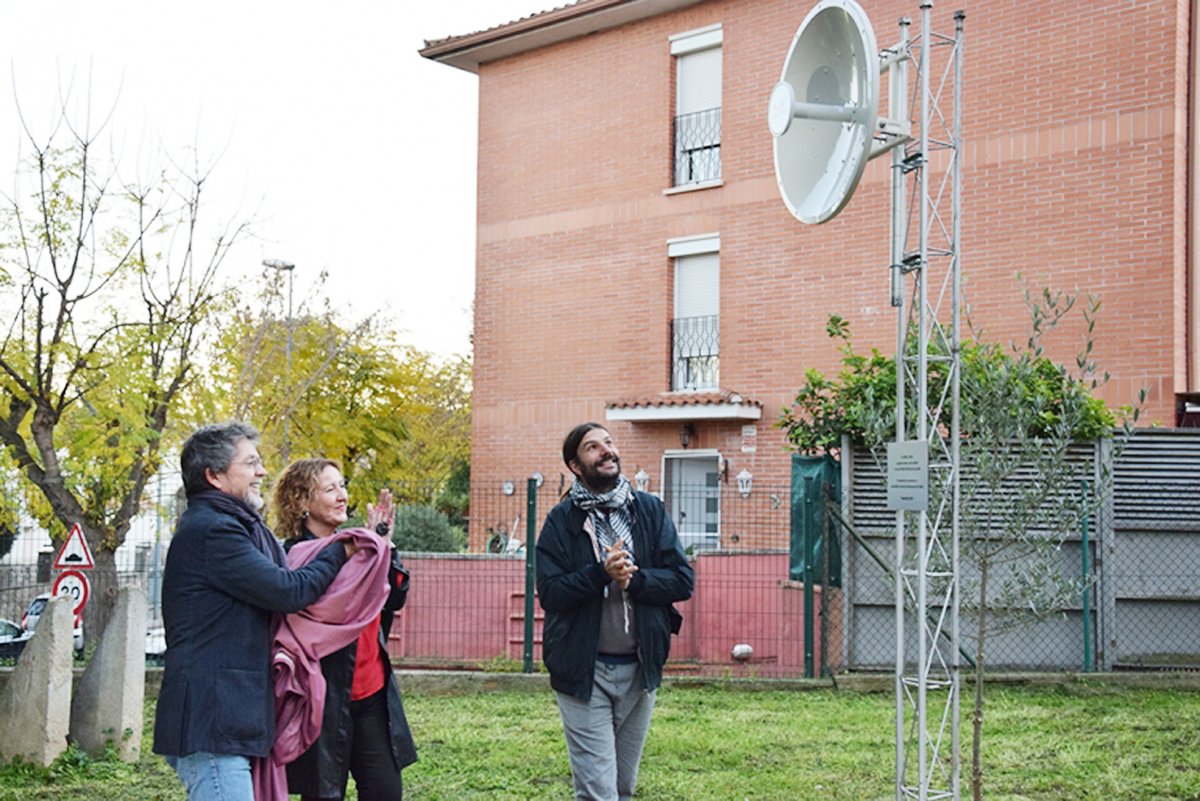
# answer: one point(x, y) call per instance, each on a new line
point(744, 482)
point(685, 435)
point(642, 480)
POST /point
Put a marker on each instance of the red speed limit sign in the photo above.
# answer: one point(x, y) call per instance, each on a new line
point(74, 585)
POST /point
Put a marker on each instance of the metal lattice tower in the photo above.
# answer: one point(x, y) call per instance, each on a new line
point(926, 289)
point(830, 82)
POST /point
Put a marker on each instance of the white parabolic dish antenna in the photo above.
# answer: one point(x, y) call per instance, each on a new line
point(824, 109)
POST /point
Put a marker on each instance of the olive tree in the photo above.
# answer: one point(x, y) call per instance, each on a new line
point(1025, 424)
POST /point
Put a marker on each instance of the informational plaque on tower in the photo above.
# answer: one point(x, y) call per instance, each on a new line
point(908, 475)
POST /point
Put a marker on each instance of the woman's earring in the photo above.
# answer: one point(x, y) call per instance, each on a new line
point(304, 515)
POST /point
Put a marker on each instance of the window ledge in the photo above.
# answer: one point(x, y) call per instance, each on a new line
point(696, 187)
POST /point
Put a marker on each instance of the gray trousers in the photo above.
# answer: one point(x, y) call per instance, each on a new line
point(605, 734)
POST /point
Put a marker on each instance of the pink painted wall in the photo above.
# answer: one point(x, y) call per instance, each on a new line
point(467, 610)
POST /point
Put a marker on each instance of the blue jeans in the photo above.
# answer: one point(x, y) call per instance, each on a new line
point(214, 777)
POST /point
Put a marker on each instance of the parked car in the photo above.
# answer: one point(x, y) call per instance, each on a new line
point(34, 612)
point(12, 639)
point(156, 645)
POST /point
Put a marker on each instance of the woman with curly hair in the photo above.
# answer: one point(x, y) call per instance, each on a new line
point(364, 732)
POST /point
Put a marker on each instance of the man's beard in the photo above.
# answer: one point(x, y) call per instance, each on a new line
point(597, 481)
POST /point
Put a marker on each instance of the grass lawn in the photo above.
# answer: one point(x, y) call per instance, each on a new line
point(1078, 742)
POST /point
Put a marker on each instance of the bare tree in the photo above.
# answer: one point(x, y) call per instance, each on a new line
point(107, 287)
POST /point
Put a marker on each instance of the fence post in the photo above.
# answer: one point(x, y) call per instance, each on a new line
point(1088, 665)
point(826, 499)
point(1105, 537)
point(806, 540)
point(849, 573)
point(530, 568)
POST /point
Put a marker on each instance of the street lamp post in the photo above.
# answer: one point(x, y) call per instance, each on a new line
point(290, 269)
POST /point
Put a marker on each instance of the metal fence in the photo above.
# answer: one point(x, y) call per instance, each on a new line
point(27, 568)
point(471, 609)
point(1121, 586)
point(1147, 605)
point(745, 618)
point(1135, 556)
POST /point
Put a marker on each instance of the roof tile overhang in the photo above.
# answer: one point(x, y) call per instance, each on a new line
point(669, 406)
point(470, 50)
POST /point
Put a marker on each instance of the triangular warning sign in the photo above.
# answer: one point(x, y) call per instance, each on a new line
point(75, 553)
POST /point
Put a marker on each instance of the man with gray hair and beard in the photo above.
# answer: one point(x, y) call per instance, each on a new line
point(225, 579)
point(609, 567)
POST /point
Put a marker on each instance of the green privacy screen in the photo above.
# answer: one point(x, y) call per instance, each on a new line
point(814, 478)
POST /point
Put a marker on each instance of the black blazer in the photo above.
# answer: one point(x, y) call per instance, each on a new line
point(220, 594)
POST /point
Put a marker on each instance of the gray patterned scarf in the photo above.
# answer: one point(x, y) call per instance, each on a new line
point(610, 512)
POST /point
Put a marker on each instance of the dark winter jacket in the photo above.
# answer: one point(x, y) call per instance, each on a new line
point(571, 582)
point(220, 596)
point(321, 770)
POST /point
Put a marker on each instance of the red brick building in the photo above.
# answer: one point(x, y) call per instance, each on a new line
point(636, 265)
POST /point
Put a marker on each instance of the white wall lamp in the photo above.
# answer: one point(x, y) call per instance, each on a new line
point(744, 482)
point(642, 480)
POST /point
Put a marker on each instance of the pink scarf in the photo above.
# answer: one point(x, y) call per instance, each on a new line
point(303, 638)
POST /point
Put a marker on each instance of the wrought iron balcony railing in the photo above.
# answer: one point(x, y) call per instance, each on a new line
point(695, 352)
point(698, 147)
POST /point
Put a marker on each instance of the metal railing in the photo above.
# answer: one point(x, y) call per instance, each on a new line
point(698, 147)
point(695, 352)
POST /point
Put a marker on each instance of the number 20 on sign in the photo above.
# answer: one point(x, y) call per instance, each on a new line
point(73, 584)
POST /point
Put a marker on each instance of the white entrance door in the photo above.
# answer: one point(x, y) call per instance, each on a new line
point(693, 498)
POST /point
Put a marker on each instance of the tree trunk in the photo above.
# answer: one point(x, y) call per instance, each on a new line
point(977, 715)
point(102, 598)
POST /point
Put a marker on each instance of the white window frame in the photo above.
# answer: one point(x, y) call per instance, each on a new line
point(697, 39)
point(693, 245)
point(682, 247)
point(709, 37)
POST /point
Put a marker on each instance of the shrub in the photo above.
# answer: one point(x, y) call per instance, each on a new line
point(423, 528)
point(861, 400)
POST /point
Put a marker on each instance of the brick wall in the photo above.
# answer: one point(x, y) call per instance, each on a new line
point(1075, 136)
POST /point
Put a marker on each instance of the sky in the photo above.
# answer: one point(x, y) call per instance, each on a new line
point(350, 153)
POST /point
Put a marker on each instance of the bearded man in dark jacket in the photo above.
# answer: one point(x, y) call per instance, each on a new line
point(609, 568)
